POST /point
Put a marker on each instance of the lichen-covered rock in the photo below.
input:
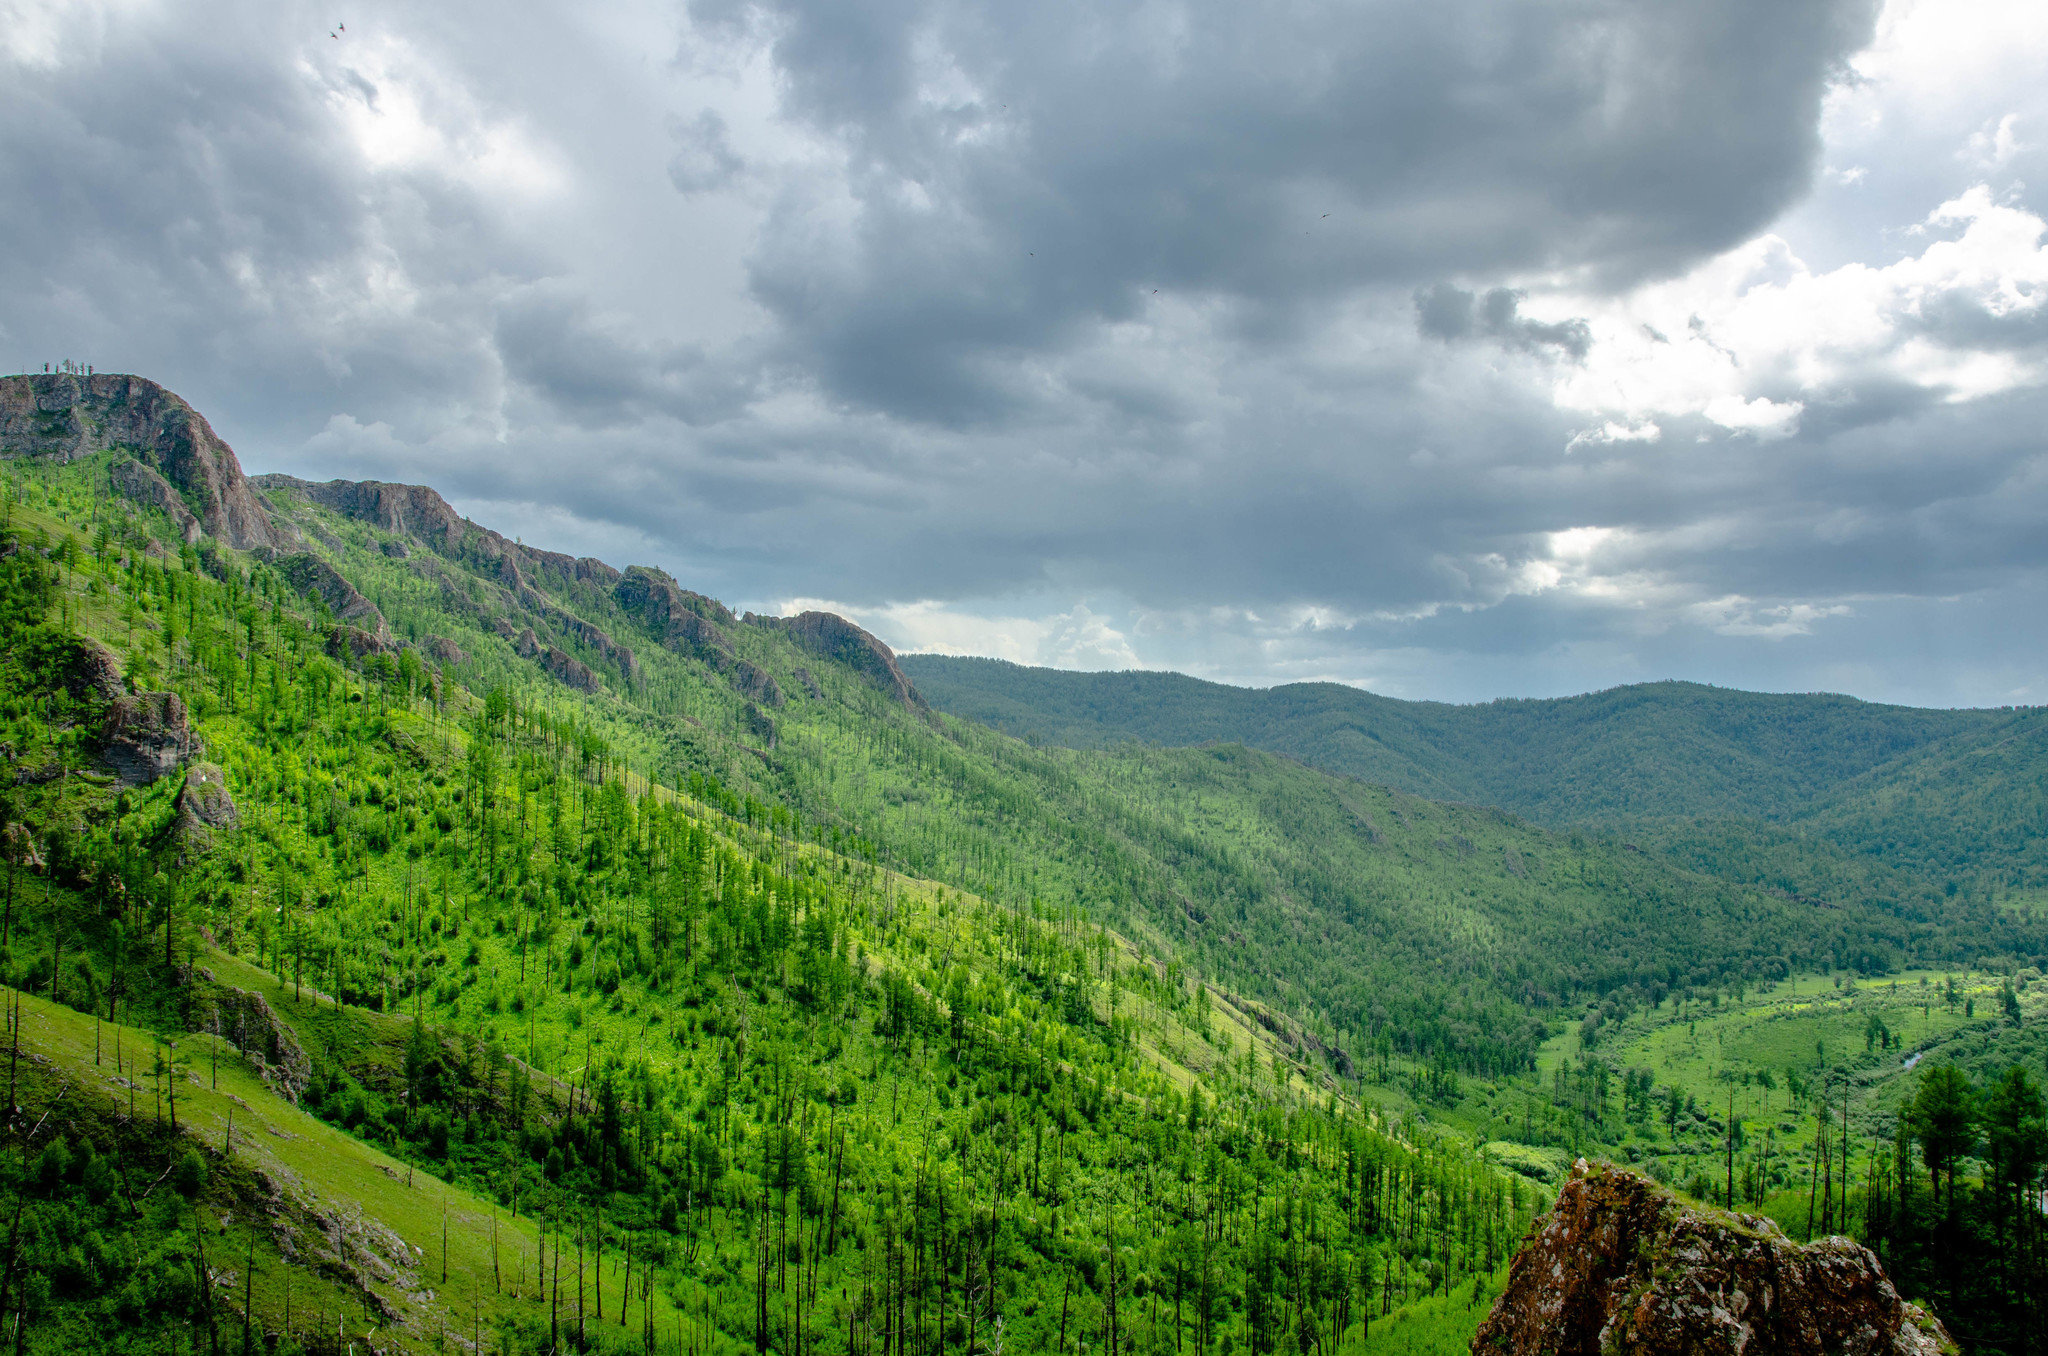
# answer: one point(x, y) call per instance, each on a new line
point(205, 807)
point(1620, 1265)
point(147, 736)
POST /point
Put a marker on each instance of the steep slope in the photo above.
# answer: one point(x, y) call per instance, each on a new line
point(752, 1089)
point(169, 457)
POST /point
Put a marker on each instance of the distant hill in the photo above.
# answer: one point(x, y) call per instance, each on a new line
point(1868, 788)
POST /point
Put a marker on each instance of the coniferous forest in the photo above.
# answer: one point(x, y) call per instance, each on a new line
point(414, 940)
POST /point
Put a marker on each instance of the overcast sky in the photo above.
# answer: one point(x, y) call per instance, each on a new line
point(1460, 350)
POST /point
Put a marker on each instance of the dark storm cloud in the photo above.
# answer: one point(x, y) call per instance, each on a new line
point(598, 376)
point(1021, 171)
point(1448, 312)
point(1224, 314)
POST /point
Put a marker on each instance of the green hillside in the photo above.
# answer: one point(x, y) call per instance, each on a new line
point(1809, 793)
point(811, 1102)
point(703, 941)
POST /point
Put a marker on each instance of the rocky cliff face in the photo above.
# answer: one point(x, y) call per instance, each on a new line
point(181, 466)
point(1620, 1265)
point(836, 638)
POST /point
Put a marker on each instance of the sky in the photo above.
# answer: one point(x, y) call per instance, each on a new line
point(1473, 349)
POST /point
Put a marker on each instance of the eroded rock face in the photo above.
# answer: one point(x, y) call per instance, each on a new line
point(569, 669)
point(67, 416)
point(147, 737)
point(93, 673)
point(315, 578)
point(834, 637)
point(1620, 1265)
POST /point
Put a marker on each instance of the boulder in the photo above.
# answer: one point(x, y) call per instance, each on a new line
point(442, 650)
point(1621, 1265)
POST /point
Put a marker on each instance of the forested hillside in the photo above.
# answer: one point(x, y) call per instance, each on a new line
point(739, 998)
point(1811, 793)
point(701, 1080)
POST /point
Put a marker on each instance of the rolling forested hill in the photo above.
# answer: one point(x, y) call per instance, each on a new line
point(696, 954)
point(1810, 793)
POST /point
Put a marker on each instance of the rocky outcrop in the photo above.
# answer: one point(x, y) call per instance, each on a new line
point(570, 670)
point(248, 1023)
point(442, 650)
point(419, 511)
point(147, 736)
point(836, 638)
point(205, 807)
point(92, 673)
point(1621, 1265)
point(66, 416)
point(689, 624)
point(315, 578)
point(414, 510)
point(655, 600)
point(756, 684)
point(353, 643)
point(147, 488)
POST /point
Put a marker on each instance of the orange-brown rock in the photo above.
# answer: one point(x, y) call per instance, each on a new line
point(1621, 1265)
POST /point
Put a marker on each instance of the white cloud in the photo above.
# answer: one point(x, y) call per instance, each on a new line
point(1750, 338)
point(1735, 615)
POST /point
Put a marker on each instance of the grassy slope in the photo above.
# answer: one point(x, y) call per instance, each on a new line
point(308, 1181)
